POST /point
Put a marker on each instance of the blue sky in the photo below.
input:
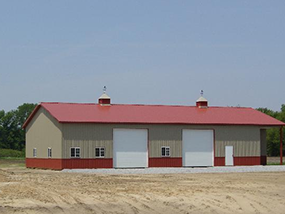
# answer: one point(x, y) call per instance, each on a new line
point(147, 52)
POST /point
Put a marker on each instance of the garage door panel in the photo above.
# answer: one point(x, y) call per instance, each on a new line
point(130, 148)
point(197, 147)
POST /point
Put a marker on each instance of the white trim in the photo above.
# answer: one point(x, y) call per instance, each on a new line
point(165, 155)
point(100, 150)
point(49, 152)
point(34, 152)
point(75, 152)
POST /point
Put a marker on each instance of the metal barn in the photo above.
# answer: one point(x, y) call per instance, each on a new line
point(105, 135)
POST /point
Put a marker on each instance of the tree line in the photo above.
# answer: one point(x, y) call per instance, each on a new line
point(273, 134)
point(12, 136)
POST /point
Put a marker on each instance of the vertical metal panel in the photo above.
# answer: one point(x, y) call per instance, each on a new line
point(165, 162)
point(155, 147)
point(87, 137)
point(165, 135)
point(87, 163)
point(102, 135)
point(244, 139)
point(263, 143)
point(247, 161)
point(43, 163)
point(219, 161)
point(42, 132)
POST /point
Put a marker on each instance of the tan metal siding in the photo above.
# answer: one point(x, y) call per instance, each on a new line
point(155, 148)
point(263, 143)
point(42, 132)
point(165, 135)
point(87, 137)
point(245, 139)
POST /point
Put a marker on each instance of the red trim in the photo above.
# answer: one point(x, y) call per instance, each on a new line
point(31, 116)
point(165, 162)
point(219, 161)
point(58, 164)
point(87, 163)
point(44, 163)
point(242, 161)
point(214, 144)
point(247, 161)
point(281, 145)
point(51, 163)
point(168, 123)
point(202, 104)
point(104, 101)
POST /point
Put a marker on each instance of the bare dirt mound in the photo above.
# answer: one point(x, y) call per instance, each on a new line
point(43, 191)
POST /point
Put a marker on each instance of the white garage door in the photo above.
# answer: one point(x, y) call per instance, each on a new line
point(197, 148)
point(130, 148)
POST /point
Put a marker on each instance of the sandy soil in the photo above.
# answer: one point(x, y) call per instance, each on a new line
point(43, 191)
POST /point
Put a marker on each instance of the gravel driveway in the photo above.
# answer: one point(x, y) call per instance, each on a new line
point(181, 170)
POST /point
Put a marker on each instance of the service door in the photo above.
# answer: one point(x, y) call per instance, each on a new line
point(229, 150)
point(197, 147)
point(130, 148)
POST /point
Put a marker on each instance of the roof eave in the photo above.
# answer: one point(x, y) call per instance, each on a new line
point(33, 114)
point(178, 123)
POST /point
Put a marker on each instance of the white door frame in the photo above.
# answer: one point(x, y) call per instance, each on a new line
point(229, 155)
point(147, 146)
point(213, 144)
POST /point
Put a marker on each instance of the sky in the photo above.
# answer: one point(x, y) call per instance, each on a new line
point(145, 52)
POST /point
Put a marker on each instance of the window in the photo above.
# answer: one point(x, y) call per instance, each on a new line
point(49, 152)
point(165, 151)
point(34, 152)
point(99, 152)
point(75, 152)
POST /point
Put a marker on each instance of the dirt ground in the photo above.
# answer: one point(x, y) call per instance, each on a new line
point(44, 191)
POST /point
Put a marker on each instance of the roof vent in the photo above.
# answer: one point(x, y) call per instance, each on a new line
point(104, 100)
point(202, 102)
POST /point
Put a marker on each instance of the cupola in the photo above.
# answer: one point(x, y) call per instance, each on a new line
point(104, 100)
point(202, 102)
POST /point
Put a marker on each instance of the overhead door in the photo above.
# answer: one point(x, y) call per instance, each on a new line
point(130, 148)
point(197, 147)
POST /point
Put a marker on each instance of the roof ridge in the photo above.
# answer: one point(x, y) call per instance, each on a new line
point(68, 103)
point(152, 105)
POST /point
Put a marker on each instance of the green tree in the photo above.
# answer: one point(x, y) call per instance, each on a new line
point(273, 135)
point(22, 114)
point(10, 132)
point(12, 136)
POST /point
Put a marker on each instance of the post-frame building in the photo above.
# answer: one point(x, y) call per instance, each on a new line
point(106, 135)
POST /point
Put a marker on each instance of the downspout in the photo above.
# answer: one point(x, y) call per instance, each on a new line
point(281, 145)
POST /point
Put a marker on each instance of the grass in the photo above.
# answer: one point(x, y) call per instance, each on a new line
point(12, 158)
point(12, 162)
point(273, 164)
point(6, 153)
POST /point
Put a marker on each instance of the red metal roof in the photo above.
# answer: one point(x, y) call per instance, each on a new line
point(155, 114)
